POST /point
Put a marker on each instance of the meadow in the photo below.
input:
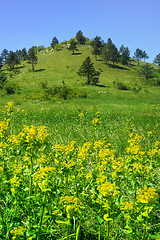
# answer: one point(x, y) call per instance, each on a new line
point(84, 167)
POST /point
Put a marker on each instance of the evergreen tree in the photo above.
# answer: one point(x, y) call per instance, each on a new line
point(110, 53)
point(138, 54)
point(12, 60)
point(124, 55)
point(32, 58)
point(4, 54)
point(144, 55)
point(24, 54)
point(73, 46)
point(97, 46)
point(147, 71)
point(87, 70)
point(54, 42)
point(80, 38)
point(157, 60)
point(18, 52)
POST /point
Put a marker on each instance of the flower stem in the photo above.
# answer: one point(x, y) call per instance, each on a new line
point(42, 214)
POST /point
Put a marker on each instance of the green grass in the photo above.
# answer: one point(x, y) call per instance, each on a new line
point(116, 107)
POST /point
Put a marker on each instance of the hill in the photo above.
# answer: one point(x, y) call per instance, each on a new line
point(55, 68)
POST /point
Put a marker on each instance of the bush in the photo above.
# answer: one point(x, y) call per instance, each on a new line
point(121, 86)
point(3, 77)
point(63, 92)
point(58, 47)
point(43, 84)
point(11, 88)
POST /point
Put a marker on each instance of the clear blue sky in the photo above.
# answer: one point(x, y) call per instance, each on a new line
point(133, 23)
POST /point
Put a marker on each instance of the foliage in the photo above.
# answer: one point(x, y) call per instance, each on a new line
point(60, 92)
point(157, 60)
point(3, 77)
point(1, 62)
point(124, 55)
point(54, 42)
point(3, 80)
point(4, 54)
point(24, 54)
point(121, 86)
point(110, 53)
point(147, 71)
point(58, 47)
point(12, 60)
point(138, 54)
point(87, 69)
point(144, 55)
point(97, 46)
point(80, 38)
point(10, 88)
point(32, 58)
point(76, 191)
point(72, 46)
point(40, 48)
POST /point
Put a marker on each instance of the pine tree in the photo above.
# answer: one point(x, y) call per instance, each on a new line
point(73, 46)
point(80, 38)
point(54, 42)
point(24, 54)
point(97, 46)
point(110, 53)
point(138, 54)
point(32, 58)
point(12, 60)
point(4, 54)
point(157, 60)
point(87, 70)
point(124, 55)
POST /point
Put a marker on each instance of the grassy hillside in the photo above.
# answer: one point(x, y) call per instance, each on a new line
point(62, 66)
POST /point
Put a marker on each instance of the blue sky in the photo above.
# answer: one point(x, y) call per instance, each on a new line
point(133, 23)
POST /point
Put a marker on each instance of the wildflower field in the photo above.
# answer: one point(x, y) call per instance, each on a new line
point(82, 190)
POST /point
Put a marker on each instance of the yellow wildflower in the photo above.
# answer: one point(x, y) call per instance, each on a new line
point(146, 195)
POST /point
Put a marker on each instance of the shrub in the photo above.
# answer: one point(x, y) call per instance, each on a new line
point(43, 84)
point(63, 92)
point(11, 88)
point(121, 86)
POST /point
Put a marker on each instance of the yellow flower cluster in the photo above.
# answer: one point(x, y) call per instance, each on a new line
point(81, 115)
point(147, 195)
point(71, 203)
point(4, 127)
point(32, 134)
point(17, 232)
point(95, 121)
point(107, 189)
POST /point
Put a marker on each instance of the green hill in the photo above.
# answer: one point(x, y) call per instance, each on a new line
point(53, 68)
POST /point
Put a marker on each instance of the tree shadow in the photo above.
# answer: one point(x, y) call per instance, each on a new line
point(19, 67)
point(117, 67)
point(40, 70)
point(99, 85)
point(76, 53)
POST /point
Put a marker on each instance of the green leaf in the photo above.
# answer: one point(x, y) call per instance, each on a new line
point(128, 229)
point(140, 218)
point(64, 222)
point(100, 220)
